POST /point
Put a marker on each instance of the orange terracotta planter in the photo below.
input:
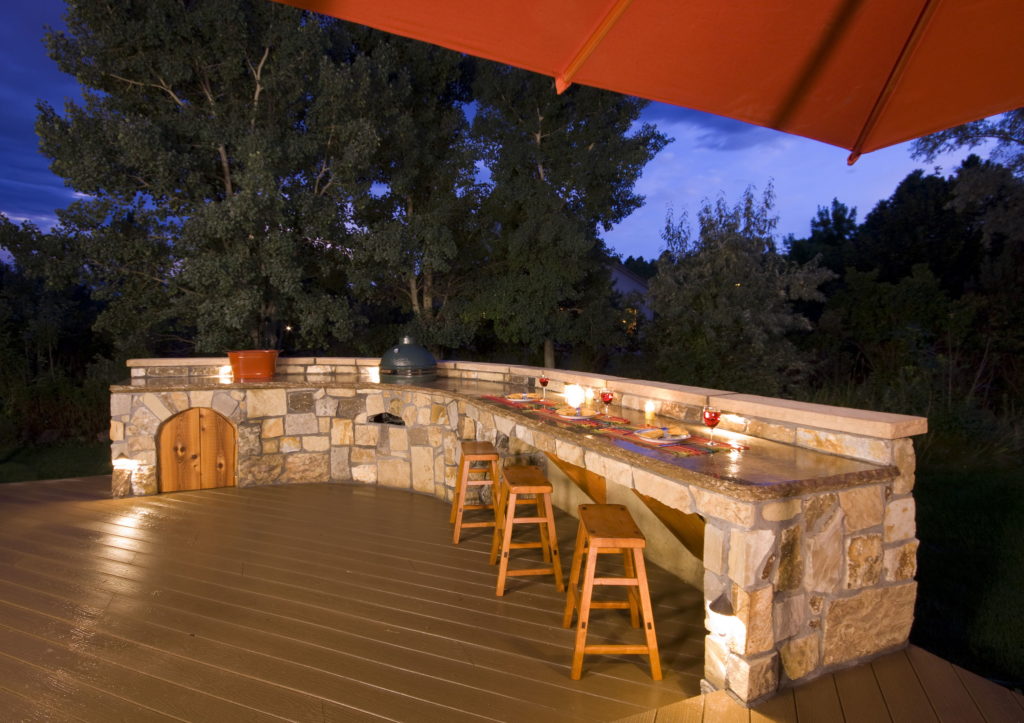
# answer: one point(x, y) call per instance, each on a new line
point(253, 365)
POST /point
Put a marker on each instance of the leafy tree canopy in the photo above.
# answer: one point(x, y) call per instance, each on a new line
point(723, 300)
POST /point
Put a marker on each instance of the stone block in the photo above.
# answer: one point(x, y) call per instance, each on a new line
point(769, 430)
point(271, 446)
point(422, 416)
point(324, 425)
point(716, 545)
point(367, 435)
point(748, 553)
point(594, 462)
point(306, 467)
point(316, 443)
point(266, 403)
point(906, 461)
point(825, 553)
point(619, 473)
point(870, 449)
point(121, 482)
point(863, 507)
point(175, 401)
point(753, 678)
point(290, 444)
point(304, 423)
point(116, 431)
point(260, 469)
point(392, 472)
point(398, 438)
point(144, 480)
point(872, 620)
point(781, 511)
point(363, 455)
point(673, 494)
point(341, 469)
point(438, 413)
point(120, 404)
point(435, 437)
point(366, 473)
point(709, 504)
point(326, 406)
point(801, 656)
point(423, 469)
point(341, 432)
point(225, 406)
point(350, 408)
point(790, 572)
point(899, 519)
point(753, 610)
point(249, 444)
point(201, 398)
point(716, 659)
point(272, 427)
point(156, 406)
point(374, 403)
point(818, 512)
point(789, 616)
point(863, 561)
point(900, 562)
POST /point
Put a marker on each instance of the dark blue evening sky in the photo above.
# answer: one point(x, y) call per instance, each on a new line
point(710, 155)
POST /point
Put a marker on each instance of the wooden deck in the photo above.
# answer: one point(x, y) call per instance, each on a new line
point(338, 603)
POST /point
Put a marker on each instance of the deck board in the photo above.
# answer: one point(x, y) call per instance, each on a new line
point(349, 603)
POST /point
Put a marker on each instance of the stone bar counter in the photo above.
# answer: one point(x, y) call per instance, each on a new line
point(804, 539)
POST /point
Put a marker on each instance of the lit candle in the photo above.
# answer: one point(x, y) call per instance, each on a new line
point(648, 410)
point(574, 395)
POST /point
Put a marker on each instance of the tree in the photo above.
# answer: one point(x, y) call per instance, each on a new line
point(221, 144)
point(1005, 131)
point(421, 240)
point(723, 300)
point(832, 232)
point(561, 168)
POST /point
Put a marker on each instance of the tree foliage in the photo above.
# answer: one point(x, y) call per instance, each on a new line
point(561, 168)
point(724, 300)
point(228, 135)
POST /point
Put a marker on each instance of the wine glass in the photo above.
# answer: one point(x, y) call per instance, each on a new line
point(607, 395)
point(711, 416)
point(543, 381)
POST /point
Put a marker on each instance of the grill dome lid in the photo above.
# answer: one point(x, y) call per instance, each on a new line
point(408, 359)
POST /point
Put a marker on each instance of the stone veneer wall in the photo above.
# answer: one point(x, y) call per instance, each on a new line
point(817, 582)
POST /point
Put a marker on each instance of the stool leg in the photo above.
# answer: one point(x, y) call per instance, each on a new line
point(500, 511)
point(460, 501)
point(460, 485)
point(645, 603)
point(571, 596)
point(506, 543)
point(545, 545)
point(632, 592)
point(495, 488)
point(581, 624)
point(551, 539)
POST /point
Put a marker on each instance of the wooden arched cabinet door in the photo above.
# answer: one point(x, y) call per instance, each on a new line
point(196, 451)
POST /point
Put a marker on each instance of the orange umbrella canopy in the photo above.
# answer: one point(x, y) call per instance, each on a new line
point(859, 74)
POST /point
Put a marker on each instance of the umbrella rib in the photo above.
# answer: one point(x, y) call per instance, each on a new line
point(564, 79)
point(894, 76)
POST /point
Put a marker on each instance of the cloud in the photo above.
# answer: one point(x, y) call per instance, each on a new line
point(715, 132)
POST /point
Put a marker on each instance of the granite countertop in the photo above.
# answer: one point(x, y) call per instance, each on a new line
point(766, 470)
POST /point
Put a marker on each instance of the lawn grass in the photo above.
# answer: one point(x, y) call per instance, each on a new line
point(971, 566)
point(71, 459)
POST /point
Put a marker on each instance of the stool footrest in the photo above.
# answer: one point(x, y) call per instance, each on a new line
point(535, 520)
point(477, 507)
point(526, 545)
point(611, 649)
point(620, 581)
point(530, 571)
point(609, 605)
point(478, 524)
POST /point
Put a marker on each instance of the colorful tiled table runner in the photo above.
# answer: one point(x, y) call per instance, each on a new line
point(612, 426)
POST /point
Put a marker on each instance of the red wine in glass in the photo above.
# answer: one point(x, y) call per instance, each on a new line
point(711, 416)
point(543, 381)
point(607, 395)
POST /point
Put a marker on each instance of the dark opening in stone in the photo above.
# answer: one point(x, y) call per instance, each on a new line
point(387, 418)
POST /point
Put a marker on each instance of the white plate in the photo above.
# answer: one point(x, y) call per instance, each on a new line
point(577, 416)
point(522, 397)
point(659, 441)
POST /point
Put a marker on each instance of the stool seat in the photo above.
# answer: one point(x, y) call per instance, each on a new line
point(521, 480)
point(610, 529)
point(474, 451)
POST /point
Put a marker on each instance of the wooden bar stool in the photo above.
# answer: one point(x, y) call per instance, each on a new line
point(610, 529)
point(474, 452)
point(517, 481)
